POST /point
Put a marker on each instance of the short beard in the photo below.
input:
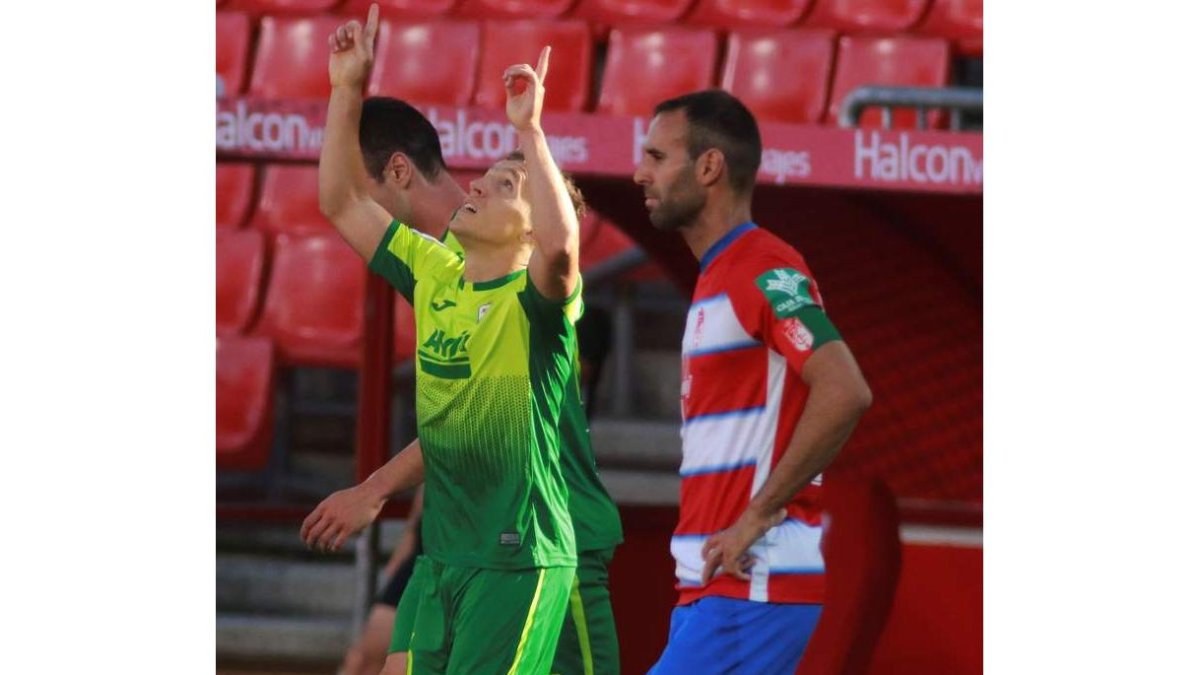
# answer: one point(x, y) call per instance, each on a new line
point(681, 208)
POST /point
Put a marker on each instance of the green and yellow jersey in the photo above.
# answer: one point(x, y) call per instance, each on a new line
point(597, 523)
point(494, 362)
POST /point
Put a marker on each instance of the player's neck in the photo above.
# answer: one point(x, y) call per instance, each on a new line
point(714, 222)
point(484, 262)
point(431, 213)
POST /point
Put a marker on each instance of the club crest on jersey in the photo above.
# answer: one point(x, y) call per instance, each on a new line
point(787, 290)
point(798, 334)
point(483, 310)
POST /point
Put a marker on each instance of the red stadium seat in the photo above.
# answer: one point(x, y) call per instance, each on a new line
point(402, 9)
point(284, 6)
point(245, 391)
point(648, 65)
point(293, 57)
point(509, 42)
point(404, 335)
point(289, 201)
point(432, 62)
point(957, 20)
point(748, 13)
point(782, 76)
point(513, 9)
point(882, 16)
point(233, 51)
point(894, 61)
point(241, 256)
point(235, 191)
point(625, 12)
point(314, 304)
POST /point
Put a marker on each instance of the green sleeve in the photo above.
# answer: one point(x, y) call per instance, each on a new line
point(405, 256)
point(818, 323)
point(543, 312)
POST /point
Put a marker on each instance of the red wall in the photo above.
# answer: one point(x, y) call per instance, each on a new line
point(936, 624)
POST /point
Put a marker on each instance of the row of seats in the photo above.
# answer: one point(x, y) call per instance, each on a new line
point(796, 76)
point(959, 20)
point(305, 292)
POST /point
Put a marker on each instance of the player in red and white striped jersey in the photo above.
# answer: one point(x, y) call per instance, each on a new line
point(770, 394)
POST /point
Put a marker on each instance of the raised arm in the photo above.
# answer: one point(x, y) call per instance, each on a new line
point(554, 265)
point(346, 512)
point(342, 175)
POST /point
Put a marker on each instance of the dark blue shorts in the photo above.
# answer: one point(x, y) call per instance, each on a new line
point(717, 635)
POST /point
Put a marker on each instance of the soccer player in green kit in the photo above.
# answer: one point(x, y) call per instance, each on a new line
point(494, 365)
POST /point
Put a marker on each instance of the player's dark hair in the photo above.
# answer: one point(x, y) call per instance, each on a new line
point(716, 119)
point(388, 126)
point(573, 190)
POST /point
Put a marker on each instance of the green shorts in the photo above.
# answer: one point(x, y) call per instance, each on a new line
point(469, 620)
point(588, 641)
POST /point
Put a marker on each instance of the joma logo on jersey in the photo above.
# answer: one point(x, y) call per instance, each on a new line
point(447, 348)
point(787, 290)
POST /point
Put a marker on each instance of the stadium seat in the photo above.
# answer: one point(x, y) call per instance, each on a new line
point(241, 256)
point(856, 16)
point(245, 411)
point(402, 9)
point(289, 201)
point(314, 304)
point(781, 75)
point(431, 62)
point(235, 191)
point(509, 42)
point(892, 61)
point(284, 6)
point(957, 20)
point(747, 13)
point(404, 332)
point(513, 9)
point(292, 60)
point(233, 51)
point(626, 12)
point(647, 65)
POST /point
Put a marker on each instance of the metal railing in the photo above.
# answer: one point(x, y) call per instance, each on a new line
point(956, 99)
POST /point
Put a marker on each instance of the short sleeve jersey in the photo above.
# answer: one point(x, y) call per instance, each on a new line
point(597, 522)
point(494, 361)
point(755, 319)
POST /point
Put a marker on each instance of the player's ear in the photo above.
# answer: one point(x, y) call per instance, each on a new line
point(400, 170)
point(710, 166)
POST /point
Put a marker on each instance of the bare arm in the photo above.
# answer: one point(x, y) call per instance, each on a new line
point(342, 175)
point(838, 397)
point(346, 512)
point(554, 265)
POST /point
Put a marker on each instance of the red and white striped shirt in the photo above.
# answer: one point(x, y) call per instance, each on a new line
point(741, 397)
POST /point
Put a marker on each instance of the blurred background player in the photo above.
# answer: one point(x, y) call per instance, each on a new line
point(770, 393)
point(492, 594)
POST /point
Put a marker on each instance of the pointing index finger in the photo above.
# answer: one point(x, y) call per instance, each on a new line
point(372, 24)
point(543, 63)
